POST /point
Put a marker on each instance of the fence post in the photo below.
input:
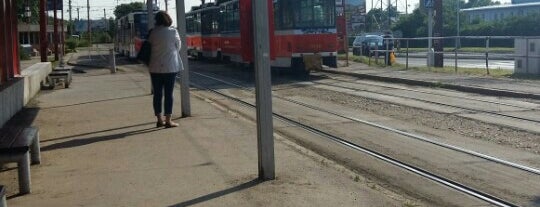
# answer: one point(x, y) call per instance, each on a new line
point(387, 54)
point(407, 57)
point(455, 55)
point(487, 55)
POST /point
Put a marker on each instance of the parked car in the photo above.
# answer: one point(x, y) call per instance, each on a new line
point(366, 44)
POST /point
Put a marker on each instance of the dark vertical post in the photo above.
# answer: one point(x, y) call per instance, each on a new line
point(263, 84)
point(43, 42)
point(346, 33)
point(70, 19)
point(62, 36)
point(55, 30)
point(438, 43)
point(184, 89)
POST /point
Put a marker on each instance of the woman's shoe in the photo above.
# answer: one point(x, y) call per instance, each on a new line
point(160, 124)
point(171, 124)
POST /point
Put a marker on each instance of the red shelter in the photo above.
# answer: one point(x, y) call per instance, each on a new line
point(9, 49)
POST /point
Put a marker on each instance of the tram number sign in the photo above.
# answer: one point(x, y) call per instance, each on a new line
point(428, 3)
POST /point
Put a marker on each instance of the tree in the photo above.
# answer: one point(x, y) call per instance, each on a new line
point(124, 9)
point(34, 9)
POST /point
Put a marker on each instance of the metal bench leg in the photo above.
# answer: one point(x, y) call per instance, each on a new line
point(23, 167)
point(35, 151)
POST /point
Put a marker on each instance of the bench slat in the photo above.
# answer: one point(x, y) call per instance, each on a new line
point(25, 138)
point(8, 135)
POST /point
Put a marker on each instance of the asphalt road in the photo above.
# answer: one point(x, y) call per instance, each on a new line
point(465, 63)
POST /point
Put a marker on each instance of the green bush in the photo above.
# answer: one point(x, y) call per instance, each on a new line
point(83, 43)
point(23, 55)
point(72, 43)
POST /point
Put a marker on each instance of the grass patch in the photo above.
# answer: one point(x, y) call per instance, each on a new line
point(465, 49)
point(448, 70)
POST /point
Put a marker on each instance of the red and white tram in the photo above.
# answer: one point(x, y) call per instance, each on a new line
point(299, 28)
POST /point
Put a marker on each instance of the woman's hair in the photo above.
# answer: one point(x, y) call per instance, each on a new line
point(163, 19)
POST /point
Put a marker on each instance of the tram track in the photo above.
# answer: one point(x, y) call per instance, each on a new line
point(424, 173)
point(470, 110)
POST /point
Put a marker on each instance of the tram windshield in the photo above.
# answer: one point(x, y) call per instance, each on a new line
point(300, 14)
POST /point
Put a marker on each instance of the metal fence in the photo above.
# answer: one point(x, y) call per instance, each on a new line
point(487, 52)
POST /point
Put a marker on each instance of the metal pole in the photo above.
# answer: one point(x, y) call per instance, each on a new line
point(487, 54)
point(70, 19)
point(455, 55)
point(55, 30)
point(89, 28)
point(62, 53)
point(265, 138)
point(430, 36)
point(407, 57)
point(43, 30)
point(184, 89)
point(150, 12)
point(389, 15)
point(345, 36)
point(458, 25)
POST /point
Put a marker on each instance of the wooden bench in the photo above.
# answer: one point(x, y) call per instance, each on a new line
point(20, 145)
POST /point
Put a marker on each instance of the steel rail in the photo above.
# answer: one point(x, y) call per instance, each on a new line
point(397, 131)
point(437, 103)
point(416, 170)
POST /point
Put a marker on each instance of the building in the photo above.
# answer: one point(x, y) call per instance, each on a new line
point(29, 34)
point(499, 12)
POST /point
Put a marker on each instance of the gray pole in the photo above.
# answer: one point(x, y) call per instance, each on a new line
point(458, 40)
point(265, 138)
point(150, 12)
point(430, 58)
point(184, 89)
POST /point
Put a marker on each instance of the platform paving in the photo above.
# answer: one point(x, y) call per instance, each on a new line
point(100, 147)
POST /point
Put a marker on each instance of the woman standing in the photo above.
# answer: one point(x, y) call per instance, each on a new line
point(165, 63)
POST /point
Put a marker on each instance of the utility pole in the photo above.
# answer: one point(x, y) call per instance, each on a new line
point(389, 14)
point(166, 6)
point(70, 19)
point(55, 30)
point(406, 7)
point(429, 5)
point(105, 19)
point(78, 17)
point(43, 42)
point(62, 53)
point(263, 88)
point(458, 40)
point(184, 82)
point(345, 35)
point(89, 28)
point(438, 32)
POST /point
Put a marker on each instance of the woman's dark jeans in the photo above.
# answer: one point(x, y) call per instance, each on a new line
point(163, 84)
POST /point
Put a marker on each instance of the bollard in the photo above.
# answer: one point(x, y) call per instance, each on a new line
point(112, 60)
point(487, 55)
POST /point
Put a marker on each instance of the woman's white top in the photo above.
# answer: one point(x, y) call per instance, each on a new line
point(165, 55)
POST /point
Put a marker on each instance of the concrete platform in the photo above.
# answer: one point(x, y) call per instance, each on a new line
point(100, 147)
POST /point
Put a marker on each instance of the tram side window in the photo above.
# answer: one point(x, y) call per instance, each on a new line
point(304, 17)
point(230, 16)
point(315, 13)
point(277, 15)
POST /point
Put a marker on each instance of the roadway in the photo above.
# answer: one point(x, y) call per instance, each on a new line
point(463, 63)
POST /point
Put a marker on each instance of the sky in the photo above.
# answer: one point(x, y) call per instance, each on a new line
point(97, 6)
